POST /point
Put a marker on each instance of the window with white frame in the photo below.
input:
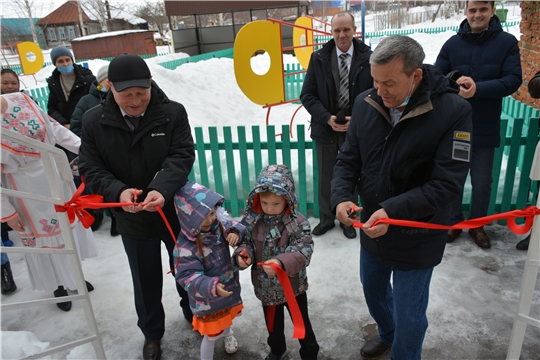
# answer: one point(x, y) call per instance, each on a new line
point(71, 32)
point(52, 34)
point(62, 33)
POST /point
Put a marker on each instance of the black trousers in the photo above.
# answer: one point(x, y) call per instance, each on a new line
point(326, 159)
point(276, 339)
point(144, 256)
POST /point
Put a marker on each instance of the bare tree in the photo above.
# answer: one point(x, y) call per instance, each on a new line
point(97, 8)
point(26, 9)
point(154, 13)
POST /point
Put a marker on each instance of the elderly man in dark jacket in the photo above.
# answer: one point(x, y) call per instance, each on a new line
point(329, 99)
point(489, 63)
point(407, 153)
point(137, 147)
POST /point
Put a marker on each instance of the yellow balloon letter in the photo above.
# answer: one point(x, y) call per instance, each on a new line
point(31, 57)
point(261, 89)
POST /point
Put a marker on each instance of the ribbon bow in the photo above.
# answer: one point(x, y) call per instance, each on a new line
point(75, 207)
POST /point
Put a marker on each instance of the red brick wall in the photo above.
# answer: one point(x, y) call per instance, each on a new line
point(529, 47)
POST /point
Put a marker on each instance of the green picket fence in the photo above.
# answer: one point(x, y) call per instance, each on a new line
point(230, 162)
point(173, 64)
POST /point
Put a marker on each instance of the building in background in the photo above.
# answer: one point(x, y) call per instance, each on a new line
point(63, 24)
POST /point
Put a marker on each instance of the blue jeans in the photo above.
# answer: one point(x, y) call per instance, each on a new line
point(399, 311)
point(481, 179)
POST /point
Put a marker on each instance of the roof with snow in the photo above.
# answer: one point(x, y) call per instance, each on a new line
point(68, 13)
point(108, 34)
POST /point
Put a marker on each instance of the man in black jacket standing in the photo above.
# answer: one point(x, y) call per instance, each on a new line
point(488, 59)
point(328, 97)
point(68, 83)
point(137, 147)
point(407, 152)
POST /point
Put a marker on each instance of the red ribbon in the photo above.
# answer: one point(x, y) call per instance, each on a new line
point(299, 331)
point(75, 207)
point(528, 213)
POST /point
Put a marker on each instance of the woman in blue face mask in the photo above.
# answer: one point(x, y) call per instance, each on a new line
point(68, 83)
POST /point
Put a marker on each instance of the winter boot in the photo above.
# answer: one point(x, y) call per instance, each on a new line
point(8, 285)
point(65, 306)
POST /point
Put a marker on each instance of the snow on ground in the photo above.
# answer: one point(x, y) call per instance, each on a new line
point(474, 292)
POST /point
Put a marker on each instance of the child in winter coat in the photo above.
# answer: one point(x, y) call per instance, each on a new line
point(277, 233)
point(204, 267)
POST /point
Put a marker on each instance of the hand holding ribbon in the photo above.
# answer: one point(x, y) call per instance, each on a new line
point(298, 322)
point(528, 213)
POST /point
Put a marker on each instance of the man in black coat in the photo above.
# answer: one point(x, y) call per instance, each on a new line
point(68, 83)
point(489, 62)
point(407, 153)
point(329, 98)
point(137, 148)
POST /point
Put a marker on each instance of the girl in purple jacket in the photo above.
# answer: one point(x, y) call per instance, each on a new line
point(202, 256)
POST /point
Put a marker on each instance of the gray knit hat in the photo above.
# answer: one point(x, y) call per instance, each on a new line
point(102, 73)
point(60, 51)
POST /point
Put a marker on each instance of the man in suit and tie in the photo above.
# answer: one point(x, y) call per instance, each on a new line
point(337, 73)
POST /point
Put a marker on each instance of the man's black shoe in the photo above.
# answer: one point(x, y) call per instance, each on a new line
point(348, 231)
point(374, 349)
point(524, 244)
point(151, 350)
point(65, 306)
point(321, 229)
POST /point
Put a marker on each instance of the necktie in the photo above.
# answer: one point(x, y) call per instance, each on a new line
point(134, 120)
point(343, 94)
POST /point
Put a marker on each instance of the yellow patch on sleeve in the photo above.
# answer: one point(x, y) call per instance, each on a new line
point(462, 135)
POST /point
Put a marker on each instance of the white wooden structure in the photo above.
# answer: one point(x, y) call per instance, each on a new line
point(528, 283)
point(55, 159)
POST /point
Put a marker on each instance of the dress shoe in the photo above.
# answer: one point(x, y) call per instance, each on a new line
point(65, 306)
point(524, 244)
point(348, 231)
point(374, 349)
point(321, 229)
point(452, 235)
point(89, 287)
point(8, 285)
point(151, 350)
point(480, 237)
